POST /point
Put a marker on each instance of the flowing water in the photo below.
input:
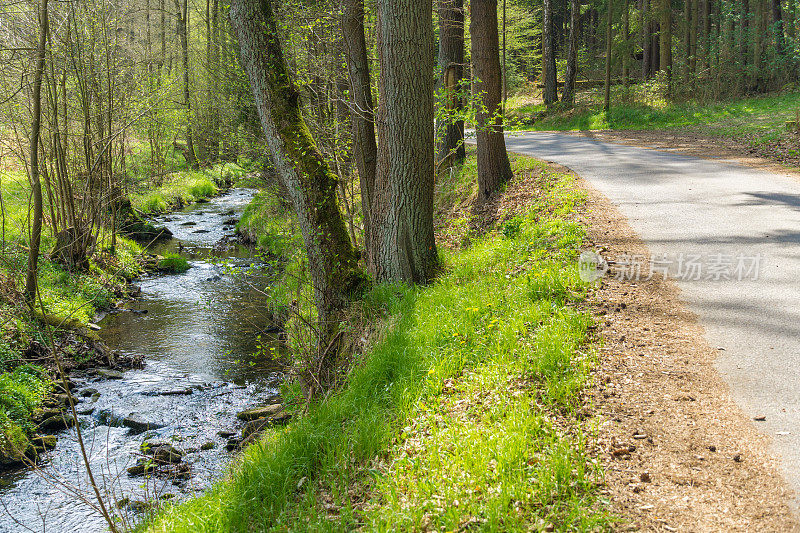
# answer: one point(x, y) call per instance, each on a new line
point(199, 332)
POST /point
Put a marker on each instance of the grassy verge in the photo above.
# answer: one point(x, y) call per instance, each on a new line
point(460, 416)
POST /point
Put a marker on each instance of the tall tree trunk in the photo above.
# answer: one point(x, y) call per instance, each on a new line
point(704, 33)
point(688, 28)
point(183, 35)
point(36, 184)
point(758, 37)
point(609, 37)
point(646, 36)
point(548, 57)
point(777, 20)
point(626, 37)
point(744, 33)
point(451, 66)
point(494, 169)
point(365, 148)
point(402, 208)
point(568, 92)
point(162, 33)
point(665, 44)
point(694, 35)
point(309, 181)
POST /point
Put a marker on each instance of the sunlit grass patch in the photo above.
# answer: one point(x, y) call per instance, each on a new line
point(644, 107)
point(173, 263)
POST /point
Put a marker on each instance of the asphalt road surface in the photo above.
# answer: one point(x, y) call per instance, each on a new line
point(730, 235)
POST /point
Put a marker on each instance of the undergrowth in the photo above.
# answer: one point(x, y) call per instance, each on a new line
point(173, 263)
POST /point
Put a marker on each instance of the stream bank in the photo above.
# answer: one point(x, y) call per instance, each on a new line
point(200, 335)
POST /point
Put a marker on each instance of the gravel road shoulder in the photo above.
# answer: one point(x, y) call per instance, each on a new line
point(695, 462)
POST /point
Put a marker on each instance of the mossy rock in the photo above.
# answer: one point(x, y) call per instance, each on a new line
point(130, 224)
point(14, 446)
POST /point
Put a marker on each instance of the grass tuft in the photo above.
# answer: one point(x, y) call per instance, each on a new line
point(173, 263)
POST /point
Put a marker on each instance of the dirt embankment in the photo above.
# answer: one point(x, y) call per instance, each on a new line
point(679, 455)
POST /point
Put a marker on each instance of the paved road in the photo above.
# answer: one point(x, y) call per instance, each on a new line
point(683, 206)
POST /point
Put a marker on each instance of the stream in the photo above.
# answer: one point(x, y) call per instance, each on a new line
point(198, 332)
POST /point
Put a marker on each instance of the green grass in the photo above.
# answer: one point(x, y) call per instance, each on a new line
point(269, 224)
point(638, 108)
point(184, 187)
point(173, 263)
point(66, 295)
point(178, 189)
point(21, 393)
point(501, 330)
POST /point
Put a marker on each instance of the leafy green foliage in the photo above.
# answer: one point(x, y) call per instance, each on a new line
point(641, 107)
point(21, 393)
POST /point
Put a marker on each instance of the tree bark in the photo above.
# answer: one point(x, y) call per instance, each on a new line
point(301, 167)
point(665, 44)
point(694, 36)
point(609, 37)
point(548, 57)
point(494, 169)
point(183, 35)
point(626, 36)
point(162, 34)
point(365, 148)
point(451, 65)
point(646, 35)
point(744, 33)
point(687, 39)
point(568, 92)
point(36, 184)
point(777, 20)
point(758, 37)
point(402, 207)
